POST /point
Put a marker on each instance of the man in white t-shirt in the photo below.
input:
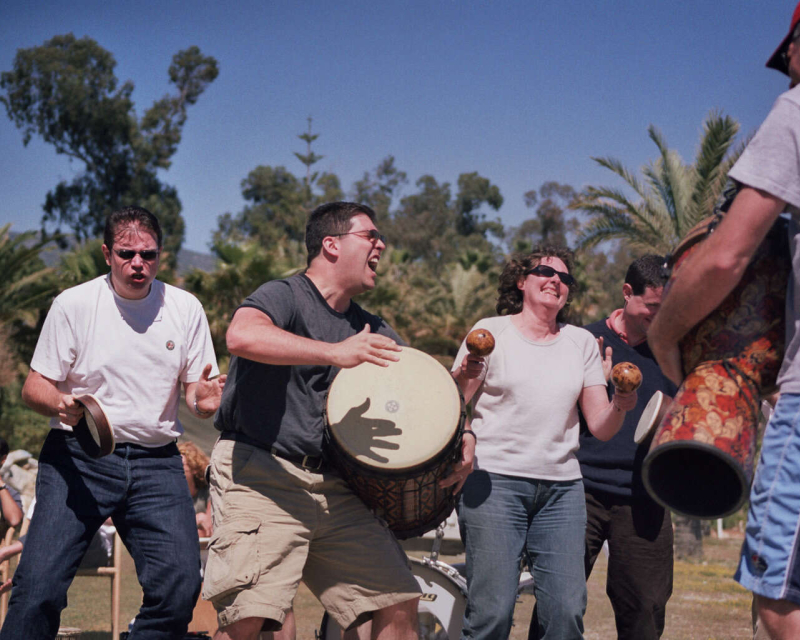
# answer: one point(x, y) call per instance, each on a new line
point(131, 341)
point(768, 173)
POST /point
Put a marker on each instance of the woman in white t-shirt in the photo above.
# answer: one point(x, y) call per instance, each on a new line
point(526, 495)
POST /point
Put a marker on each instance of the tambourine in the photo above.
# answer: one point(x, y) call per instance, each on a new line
point(651, 416)
point(94, 431)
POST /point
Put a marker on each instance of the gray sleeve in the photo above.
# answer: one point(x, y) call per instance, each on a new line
point(275, 298)
point(771, 162)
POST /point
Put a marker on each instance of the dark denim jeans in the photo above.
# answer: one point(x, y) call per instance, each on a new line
point(502, 518)
point(145, 492)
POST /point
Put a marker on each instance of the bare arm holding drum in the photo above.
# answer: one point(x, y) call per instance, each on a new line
point(41, 394)
point(710, 274)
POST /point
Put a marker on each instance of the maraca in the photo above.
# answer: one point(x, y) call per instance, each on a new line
point(626, 377)
point(480, 342)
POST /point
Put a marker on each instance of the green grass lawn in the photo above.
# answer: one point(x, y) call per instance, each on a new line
point(706, 603)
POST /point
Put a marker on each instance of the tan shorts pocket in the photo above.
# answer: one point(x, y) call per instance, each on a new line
point(233, 558)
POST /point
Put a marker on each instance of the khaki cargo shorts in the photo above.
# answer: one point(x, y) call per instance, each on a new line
point(276, 524)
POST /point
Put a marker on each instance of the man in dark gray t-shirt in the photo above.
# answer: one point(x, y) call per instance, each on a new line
point(279, 406)
point(280, 514)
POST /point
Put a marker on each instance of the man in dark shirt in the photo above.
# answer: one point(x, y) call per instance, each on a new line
point(280, 514)
point(618, 509)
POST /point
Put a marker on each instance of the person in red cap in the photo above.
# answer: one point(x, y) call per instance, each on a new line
point(767, 178)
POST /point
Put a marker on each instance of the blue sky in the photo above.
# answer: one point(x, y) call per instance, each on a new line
point(520, 91)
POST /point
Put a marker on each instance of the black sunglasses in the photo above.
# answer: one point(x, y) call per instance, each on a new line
point(372, 234)
point(148, 255)
point(548, 272)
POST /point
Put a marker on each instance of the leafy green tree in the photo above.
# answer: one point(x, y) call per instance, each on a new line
point(377, 188)
point(309, 158)
point(550, 225)
point(433, 225)
point(278, 203)
point(672, 197)
point(65, 91)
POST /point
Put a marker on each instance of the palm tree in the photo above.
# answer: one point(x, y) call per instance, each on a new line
point(671, 198)
point(26, 289)
point(27, 284)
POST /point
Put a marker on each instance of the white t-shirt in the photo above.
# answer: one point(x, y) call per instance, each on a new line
point(771, 162)
point(131, 354)
point(525, 413)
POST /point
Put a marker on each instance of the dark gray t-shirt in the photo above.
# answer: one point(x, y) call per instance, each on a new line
point(281, 406)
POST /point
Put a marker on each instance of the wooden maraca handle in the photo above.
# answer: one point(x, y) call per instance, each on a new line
point(480, 342)
point(626, 377)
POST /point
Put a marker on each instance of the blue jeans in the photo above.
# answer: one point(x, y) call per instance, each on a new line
point(146, 494)
point(501, 517)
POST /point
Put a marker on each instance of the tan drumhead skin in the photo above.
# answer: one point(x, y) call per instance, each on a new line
point(649, 418)
point(394, 417)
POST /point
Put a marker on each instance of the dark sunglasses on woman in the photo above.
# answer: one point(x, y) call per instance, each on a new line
point(548, 272)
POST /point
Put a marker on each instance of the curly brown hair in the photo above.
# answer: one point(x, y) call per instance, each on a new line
point(510, 297)
point(197, 461)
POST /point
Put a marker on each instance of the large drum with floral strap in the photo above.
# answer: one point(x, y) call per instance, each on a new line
point(393, 433)
point(700, 462)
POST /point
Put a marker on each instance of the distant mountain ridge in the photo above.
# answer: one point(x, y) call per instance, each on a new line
point(187, 259)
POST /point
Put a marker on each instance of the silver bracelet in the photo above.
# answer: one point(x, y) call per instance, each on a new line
point(200, 412)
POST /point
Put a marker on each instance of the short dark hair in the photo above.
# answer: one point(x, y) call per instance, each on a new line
point(127, 216)
point(647, 271)
point(510, 297)
point(330, 219)
point(3, 448)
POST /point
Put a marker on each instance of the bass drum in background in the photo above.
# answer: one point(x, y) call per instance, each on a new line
point(441, 607)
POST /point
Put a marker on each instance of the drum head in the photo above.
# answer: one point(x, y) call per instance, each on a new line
point(93, 431)
point(395, 417)
point(649, 418)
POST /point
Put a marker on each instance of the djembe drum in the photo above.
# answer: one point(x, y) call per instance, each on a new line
point(700, 462)
point(393, 433)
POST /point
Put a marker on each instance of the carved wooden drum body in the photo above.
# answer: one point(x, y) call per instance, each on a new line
point(700, 462)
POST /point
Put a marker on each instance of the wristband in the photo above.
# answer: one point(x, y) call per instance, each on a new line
point(471, 433)
point(200, 412)
point(4, 486)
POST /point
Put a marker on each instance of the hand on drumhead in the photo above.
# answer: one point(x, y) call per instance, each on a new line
point(605, 356)
point(366, 346)
point(69, 411)
point(461, 470)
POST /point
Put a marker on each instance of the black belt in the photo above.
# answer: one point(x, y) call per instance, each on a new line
point(312, 463)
